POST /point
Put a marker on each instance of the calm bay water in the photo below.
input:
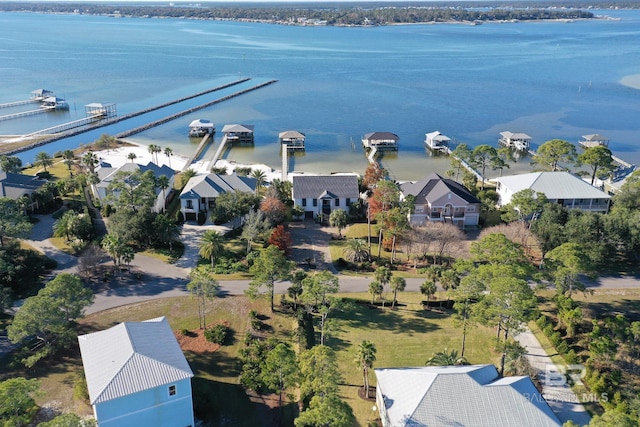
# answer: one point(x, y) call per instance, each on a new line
point(549, 80)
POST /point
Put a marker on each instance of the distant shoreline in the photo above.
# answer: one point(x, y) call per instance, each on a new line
point(328, 14)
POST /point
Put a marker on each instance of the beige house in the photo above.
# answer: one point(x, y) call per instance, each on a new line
point(442, 199)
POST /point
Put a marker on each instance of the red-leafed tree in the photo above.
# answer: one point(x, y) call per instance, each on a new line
point(274, 210)
point(372, 175)
point(282, 239)
point(385, 196)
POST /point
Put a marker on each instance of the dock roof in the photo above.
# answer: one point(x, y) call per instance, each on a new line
point(381, 136)
point(238, 128)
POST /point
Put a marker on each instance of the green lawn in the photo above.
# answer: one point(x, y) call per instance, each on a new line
point(404, 337)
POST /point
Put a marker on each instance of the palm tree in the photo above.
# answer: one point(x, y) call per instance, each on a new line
point(68, 157)
point(127, 256)
point(90, 160)
point(356, 250)
point(44, 159)
point(260, 177)
point(163, 183)
point(365, 356)
point(154, 150)
point(168, 152)
point(114, 247)
point(211, 245)
point(428, 288)
point(397, 283)
point(132, 156)
point(446, 358)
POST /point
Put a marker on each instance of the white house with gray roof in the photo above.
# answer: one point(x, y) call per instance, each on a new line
point(201, 191)
point(442, 199)
point(137, 376)
point(470, 396)
point(562, 188)
point(319, 195)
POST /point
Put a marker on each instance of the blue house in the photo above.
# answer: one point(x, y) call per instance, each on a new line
point(137, 376)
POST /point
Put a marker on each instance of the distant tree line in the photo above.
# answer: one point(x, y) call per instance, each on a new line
point(340, 14)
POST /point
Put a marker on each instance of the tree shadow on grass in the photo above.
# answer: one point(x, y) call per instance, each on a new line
point(223, 404)
point(387, 319)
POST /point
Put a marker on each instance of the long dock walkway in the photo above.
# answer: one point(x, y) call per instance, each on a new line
point(66, 126)
point(113, 120)
point(195, 155)
point(26, 113)
point(219, 151)
point(18, 103)
point(285, 162)
point(191, 110)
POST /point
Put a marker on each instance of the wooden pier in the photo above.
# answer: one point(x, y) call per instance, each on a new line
point(199, 150)
point(219, 151)
point(19, 103)
point(26, 113)
point(66, 126)
point(285, 162)
point(113, 120)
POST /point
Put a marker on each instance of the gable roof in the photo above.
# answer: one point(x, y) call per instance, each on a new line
point(319, 186)
point(201, 123)
point(471, 395)
point(512, 135)
point(213, 185)
point(131, 357)
point(433, 187)
point(238, 128)
point(555, 185)
point(107, 174)
point(15, 185)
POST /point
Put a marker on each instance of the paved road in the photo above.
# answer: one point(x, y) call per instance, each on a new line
point(562, 400)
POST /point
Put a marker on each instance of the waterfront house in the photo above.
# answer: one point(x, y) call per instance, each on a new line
point(380, 140)
point(201, 127)
point(562, 188)
point(106, 175)
point(593, 140)
point(435, 141)
point(472, 395)
point(319, 195)
point(517, 141)
point(201, 191)
point(17, 185)
point(442, 199)
point(293, 139)
point(238, 133)
point(137, 376)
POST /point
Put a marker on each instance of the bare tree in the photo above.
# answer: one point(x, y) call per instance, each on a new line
point(445, 238)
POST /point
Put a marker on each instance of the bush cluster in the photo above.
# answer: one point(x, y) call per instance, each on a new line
point(217, 334)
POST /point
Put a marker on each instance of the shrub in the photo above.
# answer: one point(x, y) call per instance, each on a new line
point(572, 358)
point(217, 334)
point(542, 322)
point(184, 331)
point(562, 347)
point(202, 218)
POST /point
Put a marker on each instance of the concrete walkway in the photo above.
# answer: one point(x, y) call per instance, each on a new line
point(563, 401)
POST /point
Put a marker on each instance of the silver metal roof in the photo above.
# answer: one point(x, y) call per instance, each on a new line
point(131, 357)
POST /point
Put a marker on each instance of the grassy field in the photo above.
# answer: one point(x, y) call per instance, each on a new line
point(404, 337)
